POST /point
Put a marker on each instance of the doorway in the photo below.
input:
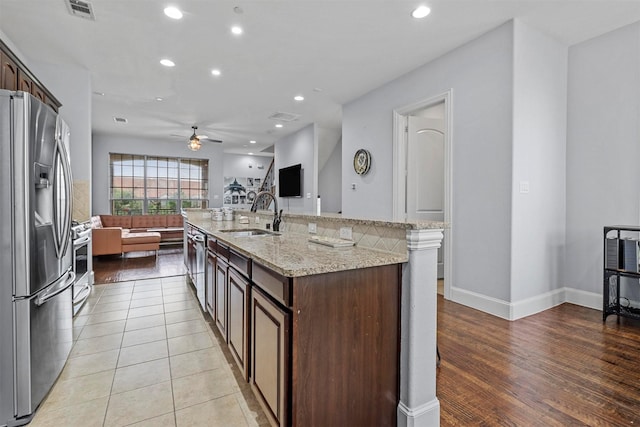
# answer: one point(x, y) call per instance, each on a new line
point(422, 171)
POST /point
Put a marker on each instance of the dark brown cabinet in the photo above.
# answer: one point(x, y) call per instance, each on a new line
point(221, 296)
point(9, 73)
point(38, 92)
point(14, 75)
point(211, 281)
point(24, 81)
point(239, 291)
point(342, 331)
point(270, 337)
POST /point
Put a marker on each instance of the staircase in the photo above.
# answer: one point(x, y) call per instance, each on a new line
point(267, 185)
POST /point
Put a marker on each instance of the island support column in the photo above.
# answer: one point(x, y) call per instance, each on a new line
point(419, 406)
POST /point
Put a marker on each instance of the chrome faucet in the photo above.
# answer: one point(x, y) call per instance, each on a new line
point(277, 216)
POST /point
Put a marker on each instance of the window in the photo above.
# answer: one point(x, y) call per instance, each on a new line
point(157, 185)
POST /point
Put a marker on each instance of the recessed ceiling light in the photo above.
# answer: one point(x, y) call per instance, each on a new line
point(421, 12)
point(167, 62)
point(173, 12)
point(299, 98)
point(215, 72)
point(279, 125)
point(236, 30)
point(159, 99)
point(251, 154)
point(252, 142)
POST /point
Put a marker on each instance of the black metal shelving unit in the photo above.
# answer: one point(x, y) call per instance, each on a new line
point(621, 256)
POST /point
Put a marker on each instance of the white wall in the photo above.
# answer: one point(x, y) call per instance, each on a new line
point(300, 147)
point(539, 135)
point(105, 144)
point(480, 74)
point(330, 181)
point(603, 148)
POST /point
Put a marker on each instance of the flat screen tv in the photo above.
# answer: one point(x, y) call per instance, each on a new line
point(290, 181)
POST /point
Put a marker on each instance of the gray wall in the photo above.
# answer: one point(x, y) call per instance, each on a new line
point(105, 144)
point(238, 165)
point(72, 86)
point(300, 147)
point(603, 148)
point(330, 181)
point(539, 134)
point(481, 75)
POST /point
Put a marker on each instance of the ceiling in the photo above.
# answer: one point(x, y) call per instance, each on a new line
point(329, 51)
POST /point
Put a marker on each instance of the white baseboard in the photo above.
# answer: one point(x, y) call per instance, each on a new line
point(536, 304)
point(480, 302)
point(583, 298)
point(527, 307)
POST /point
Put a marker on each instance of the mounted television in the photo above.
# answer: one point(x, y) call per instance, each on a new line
point(290, 181)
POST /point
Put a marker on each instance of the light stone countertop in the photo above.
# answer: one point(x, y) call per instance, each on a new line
point(291, 254)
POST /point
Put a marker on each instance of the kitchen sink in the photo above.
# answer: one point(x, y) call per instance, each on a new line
point(247, 232)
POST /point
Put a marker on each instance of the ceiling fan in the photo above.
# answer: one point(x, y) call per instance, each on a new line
point(194, 142)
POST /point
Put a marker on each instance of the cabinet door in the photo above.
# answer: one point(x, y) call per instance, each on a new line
point(38, 92)
point(221, 297)
point(269, 355)
point(24, 82)
point(211, 280)
point(191, 259)
point(237, 327)
point(8, 73)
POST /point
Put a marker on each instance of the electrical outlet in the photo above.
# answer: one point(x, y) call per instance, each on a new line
point(345, 233)
point(312, 227)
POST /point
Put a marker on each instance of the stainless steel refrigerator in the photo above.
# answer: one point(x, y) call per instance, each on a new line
point(35, 254)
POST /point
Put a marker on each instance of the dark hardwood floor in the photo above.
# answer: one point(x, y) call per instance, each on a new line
point(139, 265)
point(561, 367)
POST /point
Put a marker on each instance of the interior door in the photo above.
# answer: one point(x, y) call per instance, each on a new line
point(425, 173)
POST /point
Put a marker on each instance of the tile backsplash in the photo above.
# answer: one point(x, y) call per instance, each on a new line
point(366, 234)
point(81, 200)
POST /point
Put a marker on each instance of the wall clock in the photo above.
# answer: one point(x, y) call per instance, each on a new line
point(362, 161)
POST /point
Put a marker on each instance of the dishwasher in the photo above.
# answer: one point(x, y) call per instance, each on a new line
point(199, 279)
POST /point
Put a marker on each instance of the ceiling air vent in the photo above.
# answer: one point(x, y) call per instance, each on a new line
point(81, 9)
point(284, 117)
point(120, 120)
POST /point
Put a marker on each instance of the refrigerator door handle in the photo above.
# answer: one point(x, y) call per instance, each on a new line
point(63, 223)
point(62, 285)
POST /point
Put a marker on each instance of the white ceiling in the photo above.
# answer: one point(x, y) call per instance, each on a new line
point(289, 47)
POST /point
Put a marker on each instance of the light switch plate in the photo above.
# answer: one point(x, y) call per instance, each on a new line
point(346, 233)
point(312, 227)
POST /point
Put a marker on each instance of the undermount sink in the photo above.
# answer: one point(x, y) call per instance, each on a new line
point(247, 232)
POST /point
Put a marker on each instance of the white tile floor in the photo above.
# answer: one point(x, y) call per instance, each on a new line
point(145, 356)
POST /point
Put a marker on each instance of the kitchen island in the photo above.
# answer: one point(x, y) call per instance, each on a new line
point(314, 329)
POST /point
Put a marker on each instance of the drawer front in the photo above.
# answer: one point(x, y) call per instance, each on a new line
point(240, 262)
point(211, 243)
point(222, 251)
point(276, 285)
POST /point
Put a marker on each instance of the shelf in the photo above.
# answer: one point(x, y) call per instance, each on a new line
point(621, 246)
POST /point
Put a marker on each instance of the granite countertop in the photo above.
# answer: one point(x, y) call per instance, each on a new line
point(291, 254)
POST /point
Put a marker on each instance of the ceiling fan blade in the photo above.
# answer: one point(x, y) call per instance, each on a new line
point(212, 140)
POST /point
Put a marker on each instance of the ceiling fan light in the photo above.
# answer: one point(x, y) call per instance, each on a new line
point(194, 143)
